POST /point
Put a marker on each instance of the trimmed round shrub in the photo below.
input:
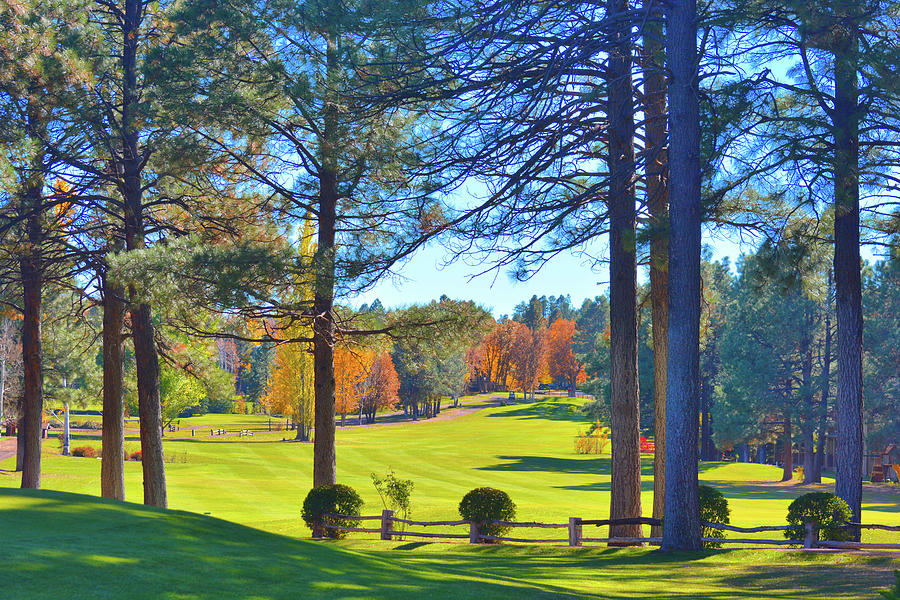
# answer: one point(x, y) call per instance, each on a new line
point(713, 509)
point(335, 499)
point(830, 511)
point(488, 504)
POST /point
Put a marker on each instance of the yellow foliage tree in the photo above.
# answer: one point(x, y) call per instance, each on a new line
point(290, 383)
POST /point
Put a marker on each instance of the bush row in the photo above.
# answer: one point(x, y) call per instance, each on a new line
point(484, 505)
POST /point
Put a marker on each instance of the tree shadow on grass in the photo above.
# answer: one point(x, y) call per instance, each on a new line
point(74, 546)
point(602, 486)
point(773, 490)
point(543, 409)
point(551, 464)
point(60, 545)
point(643, 573)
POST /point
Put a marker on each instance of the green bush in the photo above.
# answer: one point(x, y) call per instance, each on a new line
point(713, 509)
point(331, 498)
point(830, 511)
point(487, 504)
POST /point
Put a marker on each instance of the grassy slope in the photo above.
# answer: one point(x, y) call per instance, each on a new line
point(58, 545)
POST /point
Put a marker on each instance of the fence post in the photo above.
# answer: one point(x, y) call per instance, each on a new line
point(474, 533)
point(574, 531)
point(387, 524)
point(318, 529)
point(812, 534)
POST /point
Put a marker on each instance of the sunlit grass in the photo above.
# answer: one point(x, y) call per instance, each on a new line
point(525, 449)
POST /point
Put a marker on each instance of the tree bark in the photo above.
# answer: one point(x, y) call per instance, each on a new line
point(681, 528)
point(625, 498)
point(658, 204)
point(847, 278)
point(145, 354)
point(20, 441)
point(707, 447)
point(324, 456)
point(32, 352)
point(809, 417)
point(825, 385)
point(787, 456)
point(112, 466)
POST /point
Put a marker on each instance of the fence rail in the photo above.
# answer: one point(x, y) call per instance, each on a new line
point(576, 538)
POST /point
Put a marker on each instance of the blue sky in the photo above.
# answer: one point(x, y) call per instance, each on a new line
point(425, 277)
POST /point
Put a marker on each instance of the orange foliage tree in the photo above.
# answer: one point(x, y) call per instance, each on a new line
point(561, 361)
point(491, 360)
point(350, 372)
point(511, 356)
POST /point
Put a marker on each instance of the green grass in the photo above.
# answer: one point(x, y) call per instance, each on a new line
point(257, 485)
point(526, 450)
point(59, 545)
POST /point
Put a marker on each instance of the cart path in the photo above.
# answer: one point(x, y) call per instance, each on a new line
point(443, 416)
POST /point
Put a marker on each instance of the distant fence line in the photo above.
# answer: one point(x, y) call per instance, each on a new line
point(576, 538)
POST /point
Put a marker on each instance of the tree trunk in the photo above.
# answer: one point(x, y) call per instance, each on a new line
point(625, 498)
point(658, 204)
point(809, 416)
point(112, 466)
point(809, 457)
point(145, 355)
point(825, 385)
point(324, 457)
point(848, 284)
point(32, 351)
point(745, 452)
point(707, 447)
point(681, 528)
point(787, 457)
point(20, 441)
point(3, 384)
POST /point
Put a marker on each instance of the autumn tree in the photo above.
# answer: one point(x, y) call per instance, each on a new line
point(350, 371)
point(528, 357)
point(290, 384)
point(380, 388)
point(493, 357)
point(562, 364)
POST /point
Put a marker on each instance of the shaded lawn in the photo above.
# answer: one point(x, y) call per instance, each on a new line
point(59, 545)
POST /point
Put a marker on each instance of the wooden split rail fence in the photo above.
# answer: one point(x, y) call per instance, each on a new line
point(575, 530)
